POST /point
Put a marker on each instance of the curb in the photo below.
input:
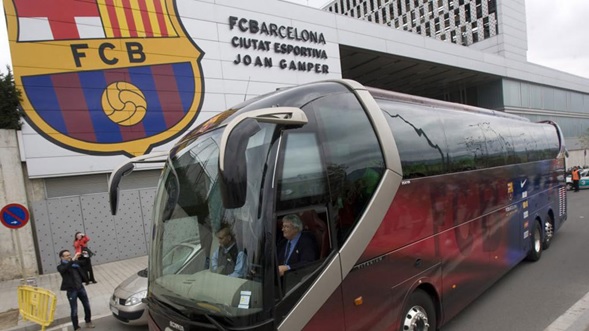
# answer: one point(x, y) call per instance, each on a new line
point(57, 323)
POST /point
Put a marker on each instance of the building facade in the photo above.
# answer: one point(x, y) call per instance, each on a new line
point(460, 22)
point(111, 84)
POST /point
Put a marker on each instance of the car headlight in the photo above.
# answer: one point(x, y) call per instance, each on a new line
point(135, 298)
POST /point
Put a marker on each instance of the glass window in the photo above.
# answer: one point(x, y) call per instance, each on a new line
point(302, 178)
point(353, 157)
point(419, 137)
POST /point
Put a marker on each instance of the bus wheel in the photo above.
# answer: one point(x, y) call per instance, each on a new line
point(420, 314)
point(536, 237)
point(548, 232)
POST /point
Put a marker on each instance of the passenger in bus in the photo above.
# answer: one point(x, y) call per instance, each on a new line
point(297, 248)
point(228, 259)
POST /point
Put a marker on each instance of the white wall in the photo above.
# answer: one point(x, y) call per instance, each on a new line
point(17, 248)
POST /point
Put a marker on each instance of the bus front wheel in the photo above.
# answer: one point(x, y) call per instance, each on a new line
point(420, 314)
point(536, 245)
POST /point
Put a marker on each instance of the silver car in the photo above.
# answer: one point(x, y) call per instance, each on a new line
point(126, 302)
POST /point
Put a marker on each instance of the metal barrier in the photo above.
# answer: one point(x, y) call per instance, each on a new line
point(37, 305)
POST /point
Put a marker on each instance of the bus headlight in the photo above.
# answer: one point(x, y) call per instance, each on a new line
point(135, 298)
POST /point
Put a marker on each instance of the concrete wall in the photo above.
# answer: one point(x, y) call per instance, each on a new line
point(17, 246)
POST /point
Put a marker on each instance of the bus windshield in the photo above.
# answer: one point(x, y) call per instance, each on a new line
point(206, 256)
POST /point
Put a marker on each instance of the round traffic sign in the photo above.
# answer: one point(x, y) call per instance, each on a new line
point(14, 216)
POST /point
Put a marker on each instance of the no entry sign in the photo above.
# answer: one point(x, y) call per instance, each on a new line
point(14, 216)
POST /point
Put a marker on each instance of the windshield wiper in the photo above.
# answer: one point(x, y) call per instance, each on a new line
point(190, 308)
point(215, 323)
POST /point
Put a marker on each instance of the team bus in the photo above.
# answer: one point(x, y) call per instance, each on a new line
point(416, 206)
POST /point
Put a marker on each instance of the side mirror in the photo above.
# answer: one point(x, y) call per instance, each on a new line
point(113, 185)
point(232, 162)
point(233, 183)
point(125, 169)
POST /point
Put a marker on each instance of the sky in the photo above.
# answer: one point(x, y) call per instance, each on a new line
point(558, 35)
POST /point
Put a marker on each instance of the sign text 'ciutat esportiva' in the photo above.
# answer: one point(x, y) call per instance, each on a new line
point(290, 38)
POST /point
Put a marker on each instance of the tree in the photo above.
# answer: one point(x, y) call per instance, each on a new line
point(10, 112)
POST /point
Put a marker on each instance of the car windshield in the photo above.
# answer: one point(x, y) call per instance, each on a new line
point(205, 256)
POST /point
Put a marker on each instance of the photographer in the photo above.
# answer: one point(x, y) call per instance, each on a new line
point(81, 247)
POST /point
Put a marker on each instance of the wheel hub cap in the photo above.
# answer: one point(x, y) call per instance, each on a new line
point(416, 320)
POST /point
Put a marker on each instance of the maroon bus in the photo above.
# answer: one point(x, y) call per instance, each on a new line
point(415, 207)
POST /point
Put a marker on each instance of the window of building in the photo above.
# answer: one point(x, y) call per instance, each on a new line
point(492, 6)
point(479, 7)
point(486, 28)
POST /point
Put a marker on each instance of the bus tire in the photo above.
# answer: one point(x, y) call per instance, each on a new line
point(535, 251)
point(548, 232)
point(420, 313)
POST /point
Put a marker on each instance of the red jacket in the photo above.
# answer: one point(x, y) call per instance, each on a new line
point(81, 243)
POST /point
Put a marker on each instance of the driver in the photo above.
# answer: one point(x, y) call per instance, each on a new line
point(228, 260)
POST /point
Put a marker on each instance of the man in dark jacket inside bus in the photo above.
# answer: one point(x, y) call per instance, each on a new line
point(71, 282)
point(297, 248)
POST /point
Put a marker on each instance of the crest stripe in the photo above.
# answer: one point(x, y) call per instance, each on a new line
point(185, 82)
point(120, 13)
point(145, 18)
point(154, 119)
point(165, 84)
point(73, 106)
point(161, 18)
point(41, 88)
point(106, 130)
point(138, 20)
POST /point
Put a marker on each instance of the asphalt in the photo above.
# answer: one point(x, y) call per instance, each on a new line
point(108, 276)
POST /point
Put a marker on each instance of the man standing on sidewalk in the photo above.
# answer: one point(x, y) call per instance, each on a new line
point(71, 282)
point(575, 176)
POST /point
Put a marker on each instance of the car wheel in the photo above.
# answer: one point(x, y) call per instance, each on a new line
point(569, 186)
point(420, 313)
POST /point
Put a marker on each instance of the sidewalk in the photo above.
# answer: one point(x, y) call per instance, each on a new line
point(108, 276)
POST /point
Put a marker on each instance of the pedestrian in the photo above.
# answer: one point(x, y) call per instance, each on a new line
point(71, 282)
point(81, 245)
point(575, 177)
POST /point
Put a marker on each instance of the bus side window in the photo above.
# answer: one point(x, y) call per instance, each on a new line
point(318, 227)
point(353, 158)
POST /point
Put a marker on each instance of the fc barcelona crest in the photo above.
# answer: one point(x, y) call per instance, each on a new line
point(105, 76)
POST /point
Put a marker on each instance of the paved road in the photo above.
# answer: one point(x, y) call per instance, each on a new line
point(533, 295)
point(104, 323)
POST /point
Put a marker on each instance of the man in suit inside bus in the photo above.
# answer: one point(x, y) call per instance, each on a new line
point(298, 247)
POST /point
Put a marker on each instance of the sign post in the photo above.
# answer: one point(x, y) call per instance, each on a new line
point(15, 216)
